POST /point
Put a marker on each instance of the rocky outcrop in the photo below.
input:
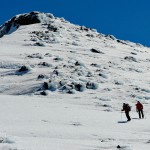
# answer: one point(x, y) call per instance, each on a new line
point(24, 19)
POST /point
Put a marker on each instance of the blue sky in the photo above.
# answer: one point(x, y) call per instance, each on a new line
point(125, 19)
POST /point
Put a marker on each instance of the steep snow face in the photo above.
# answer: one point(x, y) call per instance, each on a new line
point(24, 19)
point(55, 56)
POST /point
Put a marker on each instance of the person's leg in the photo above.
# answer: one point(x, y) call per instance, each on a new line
point(142, 113)
point(127, 115)
point(139, 114)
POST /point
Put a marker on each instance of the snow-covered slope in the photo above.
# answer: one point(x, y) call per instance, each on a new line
point(77, 68)
point(70, 58)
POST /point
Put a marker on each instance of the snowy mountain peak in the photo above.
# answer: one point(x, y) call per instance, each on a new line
point(70, 83)
point(47, 54)
point(24, 19)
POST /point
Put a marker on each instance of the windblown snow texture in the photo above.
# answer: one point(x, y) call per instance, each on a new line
point(62, 87)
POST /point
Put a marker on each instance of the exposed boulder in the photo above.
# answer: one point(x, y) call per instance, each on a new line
point(130, 58)
point(118, 146)
point(45, 64)
point(24, 69)
point(35, 55)
point(96, 51)
point(52, 86)
point(52, 28)
point(91, 85)
point(39, 44)
point(110, 37)
point(41, 76)
point(44, 93)
point(79, 87)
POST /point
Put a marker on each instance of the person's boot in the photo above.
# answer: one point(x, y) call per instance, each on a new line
point(129, 119)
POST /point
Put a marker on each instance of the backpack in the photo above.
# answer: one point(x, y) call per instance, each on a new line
point(128, 107)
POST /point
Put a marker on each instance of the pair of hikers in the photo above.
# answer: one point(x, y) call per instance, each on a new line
point(127, 109)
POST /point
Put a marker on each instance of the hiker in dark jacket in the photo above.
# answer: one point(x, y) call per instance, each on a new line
point(126, 108)
point(139, 109)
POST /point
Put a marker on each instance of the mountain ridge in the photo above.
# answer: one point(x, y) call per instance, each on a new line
point(41, 17)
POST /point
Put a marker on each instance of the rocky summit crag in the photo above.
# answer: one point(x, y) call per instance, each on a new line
point(24, 19)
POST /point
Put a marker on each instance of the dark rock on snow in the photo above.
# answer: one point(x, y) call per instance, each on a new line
point(23, 69)
point(96, 51)
point(24, 19)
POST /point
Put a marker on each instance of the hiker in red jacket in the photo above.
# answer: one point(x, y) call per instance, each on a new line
point(127, 109)
point(139, 109)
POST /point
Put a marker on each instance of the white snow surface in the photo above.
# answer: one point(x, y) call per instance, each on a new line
point(88, 119)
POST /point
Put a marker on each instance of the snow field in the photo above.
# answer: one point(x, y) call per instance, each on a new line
point(68, 122)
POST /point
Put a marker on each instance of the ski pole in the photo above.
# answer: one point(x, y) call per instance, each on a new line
point(144, 115)
point(121, 115)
